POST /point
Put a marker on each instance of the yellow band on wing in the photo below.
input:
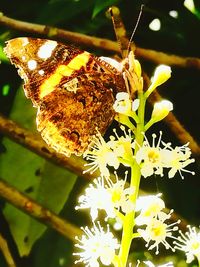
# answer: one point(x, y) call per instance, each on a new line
point(63, 70)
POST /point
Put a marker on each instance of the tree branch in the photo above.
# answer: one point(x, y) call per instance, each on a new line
point(52, 32)
point(105, 44)
point(32, 208)
point(35, 143)
point(6, 252)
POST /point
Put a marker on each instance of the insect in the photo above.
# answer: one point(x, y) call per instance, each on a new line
point(73, 91)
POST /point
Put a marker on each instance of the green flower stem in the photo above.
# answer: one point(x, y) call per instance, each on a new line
point(198, 258)
point(149, 124)
point(125, 161)
point(126, 238)
point(119, 215)
point(134, 116)
point(129, 219)
point(130, 125)
point(125, 120)
point(151, 88)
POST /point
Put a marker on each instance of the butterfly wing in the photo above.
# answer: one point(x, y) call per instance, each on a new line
point(72, 89)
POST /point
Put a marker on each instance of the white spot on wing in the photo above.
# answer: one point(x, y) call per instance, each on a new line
point(32, 64)
point(41, 72)
point(114, 63)
point(46, 49)
point(25, 41)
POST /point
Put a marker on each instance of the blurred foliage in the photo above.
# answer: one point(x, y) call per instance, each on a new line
point(51, 185)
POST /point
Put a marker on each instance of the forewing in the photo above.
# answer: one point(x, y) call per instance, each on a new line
point(72, 89)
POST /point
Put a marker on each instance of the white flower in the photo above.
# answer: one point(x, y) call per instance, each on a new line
point(122, 146)
point(101, 156)
point(96, 245)
point(189, 243)
point(157, 231)
point(149, 158)
point(149, 207)
point(121, 196)
point(122, 103)
point(125, 107)
point(153, 159)
point(108, 196)
point(97, 197)
point(176, 159)
point(135, 104)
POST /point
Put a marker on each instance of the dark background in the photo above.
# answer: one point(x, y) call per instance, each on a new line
point(178, 36)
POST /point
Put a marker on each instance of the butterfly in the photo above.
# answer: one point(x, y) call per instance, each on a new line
point(73, 91)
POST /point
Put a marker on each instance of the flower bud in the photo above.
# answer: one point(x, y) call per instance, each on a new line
point(161, 110)
point(161, 75)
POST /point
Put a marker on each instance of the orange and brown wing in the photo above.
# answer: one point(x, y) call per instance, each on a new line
point(72, 89)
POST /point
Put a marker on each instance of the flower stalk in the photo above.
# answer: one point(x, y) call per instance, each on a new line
point(140, 217)
point(129, 220)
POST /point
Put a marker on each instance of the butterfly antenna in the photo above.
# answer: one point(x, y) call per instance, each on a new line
point(134, 30)
point(120, 31)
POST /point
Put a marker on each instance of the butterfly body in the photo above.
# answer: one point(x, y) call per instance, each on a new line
point(73, 90)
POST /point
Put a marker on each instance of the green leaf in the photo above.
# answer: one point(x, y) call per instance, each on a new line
point(55, 245)
point(48, 184)
point(3, 57)
point(102, 5)
point(55, 12)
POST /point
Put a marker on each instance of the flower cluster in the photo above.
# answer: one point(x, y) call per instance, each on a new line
point(154, 158)
point(96, 244)
point(144, 217)
point(189, 243)
point(108, 196)
point(102, 154)
point(115, 199)
point(153, 219)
